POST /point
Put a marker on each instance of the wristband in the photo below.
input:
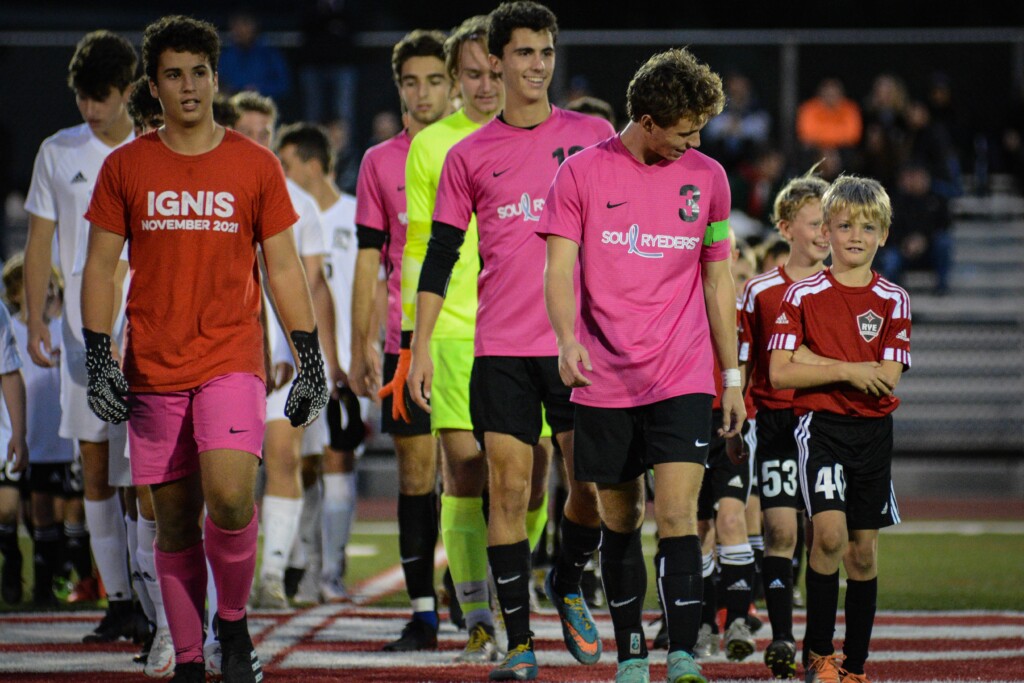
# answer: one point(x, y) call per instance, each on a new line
point(731, 378)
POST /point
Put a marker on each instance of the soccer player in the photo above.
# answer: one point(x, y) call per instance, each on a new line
point(842, 341)
point(308, 160)
point(281, 508)
point(424, 87)
point(798, 218)
point(66, 167)
point(144, 108)
point(502, 173)
point(14, 460)
point(193, 379)
point(644, 216)
point(463, 469)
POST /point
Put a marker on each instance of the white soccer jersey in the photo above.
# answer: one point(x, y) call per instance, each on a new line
point(339, 224)
point(63, 177)
point(10, 361)
point(42, 403)
point(309, 240)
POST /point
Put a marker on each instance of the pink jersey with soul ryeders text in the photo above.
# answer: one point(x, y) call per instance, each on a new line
point(380, 205)
point(502, 174)
point(643, 232)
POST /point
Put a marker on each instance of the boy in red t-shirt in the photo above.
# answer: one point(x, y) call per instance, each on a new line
point(193, 381)
point(842, 340)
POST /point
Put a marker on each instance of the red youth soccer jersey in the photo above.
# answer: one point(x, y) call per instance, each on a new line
point(502, 174)
point(759, 307)
point(852, 324)
point(192, 225)
point(643, 232)
point(380, 205)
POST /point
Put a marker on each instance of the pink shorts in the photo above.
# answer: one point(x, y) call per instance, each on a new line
point(168, 431)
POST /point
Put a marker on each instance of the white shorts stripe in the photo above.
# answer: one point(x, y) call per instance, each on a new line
point(802, 434)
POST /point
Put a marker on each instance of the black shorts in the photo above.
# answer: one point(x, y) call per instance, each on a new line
point(388, 425)
point(722, 479)
point(15, 480)
point(345, 421)
point(616, 445)
point(777, 461)
point(846, 464)
point(60, 479)
point(506, 394)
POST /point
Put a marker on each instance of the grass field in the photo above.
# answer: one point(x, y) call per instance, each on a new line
point(926, 571)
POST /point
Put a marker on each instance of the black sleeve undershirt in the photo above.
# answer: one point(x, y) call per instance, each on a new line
point(442, 254)
point(368, 238)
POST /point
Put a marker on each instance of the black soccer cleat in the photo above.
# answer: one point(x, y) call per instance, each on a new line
point(11, 589)
point(190, 672)
point(417, 635)
point(239, 661)
point(119, 622)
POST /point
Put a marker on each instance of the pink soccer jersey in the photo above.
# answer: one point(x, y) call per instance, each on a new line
point(643, 233)
point(380, 205)
point(853, 324)
point(502, 174)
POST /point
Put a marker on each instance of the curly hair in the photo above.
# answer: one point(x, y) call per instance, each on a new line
point(142, 106)
point(418, 43)
point(102, 60)
point(180, 34)
point(473, 29)
point(508, 16)
point(672, 85)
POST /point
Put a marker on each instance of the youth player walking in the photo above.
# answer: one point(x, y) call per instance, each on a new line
point(842, 341)
point(193, 379)
point(644, 216)
point(502, 173)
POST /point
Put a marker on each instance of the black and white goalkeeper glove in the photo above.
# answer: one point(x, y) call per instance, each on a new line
point(309, 393)
point(108, 389)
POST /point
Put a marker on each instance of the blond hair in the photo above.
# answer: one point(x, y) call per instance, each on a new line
point(864, 197)
point(797, 193)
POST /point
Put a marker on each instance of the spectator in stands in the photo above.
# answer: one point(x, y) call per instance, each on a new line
point(882, 149)
point(754, 185)
point(920, 236)
point(248, 62)
point(346, 155)
point(944, 113)
point(733, 136)
point(829, 120)
point(930, 143)
point(329, 73)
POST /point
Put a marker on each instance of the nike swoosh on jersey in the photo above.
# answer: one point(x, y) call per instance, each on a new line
point(612, 206)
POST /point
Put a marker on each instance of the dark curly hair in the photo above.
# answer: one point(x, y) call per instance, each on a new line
point(102, 60)
point(671, 85)
point(418, 43)
point(508, 16)
point(142, 106)
point(181, 34)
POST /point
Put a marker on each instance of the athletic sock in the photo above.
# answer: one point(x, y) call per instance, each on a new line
point(309, 540)
point(778, 596)
point(280, 525)
point(578, 545)
point(678, 567)
point(211, 604)
point(709, 600)
point(232, 556)
point(510, 565)
point(77, 546)
point(138, 583)
point(417, 540)
point(536, 522)
point(109, 540)
point(147, 568)
point(737, 563)
point(45, 558)
point(625, 584)
point(183, 582)
point(465, 541)
point(339, 511)
point(822, 601)
point(861, 600)
point(757, 587)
